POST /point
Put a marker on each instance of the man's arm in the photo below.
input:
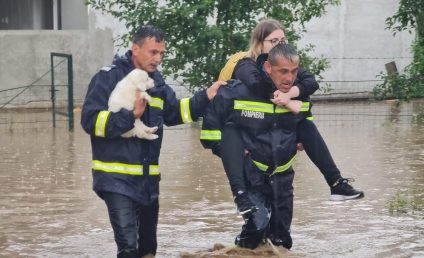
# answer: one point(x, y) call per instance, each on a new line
point(95, 117)
point(210, 135)
point(187, 110)
point(306, 83)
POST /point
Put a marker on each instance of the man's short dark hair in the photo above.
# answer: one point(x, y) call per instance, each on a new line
point(285, 51)
point(148, 31)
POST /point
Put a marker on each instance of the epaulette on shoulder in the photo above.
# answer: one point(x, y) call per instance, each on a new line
point(233, 83)
point(107, 68)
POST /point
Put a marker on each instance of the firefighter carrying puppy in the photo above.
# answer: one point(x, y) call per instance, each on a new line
point(268, 134)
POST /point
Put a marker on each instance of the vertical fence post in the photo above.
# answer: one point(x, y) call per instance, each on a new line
point(70, 94)
point(52, 90)
point(70, 113)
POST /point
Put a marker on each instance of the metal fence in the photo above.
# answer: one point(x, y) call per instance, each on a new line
point(51, 93)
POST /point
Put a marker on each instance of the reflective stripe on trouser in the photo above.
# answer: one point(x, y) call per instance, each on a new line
point(122, 168)
point(264, 168)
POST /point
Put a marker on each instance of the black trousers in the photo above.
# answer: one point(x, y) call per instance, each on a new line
point(273, 196)
point(232, 154)
point(134, 225)
point(317, 150)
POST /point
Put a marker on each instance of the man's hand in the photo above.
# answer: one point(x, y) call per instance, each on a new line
point(294, 106)
point(281, 98)
point(300, 146)
point(212, 90)
point(139, 105)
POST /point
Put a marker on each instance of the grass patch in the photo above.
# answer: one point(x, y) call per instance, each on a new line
point(406, 202)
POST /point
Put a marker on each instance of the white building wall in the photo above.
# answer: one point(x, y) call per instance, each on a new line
point(354, 39)
point(69, 10)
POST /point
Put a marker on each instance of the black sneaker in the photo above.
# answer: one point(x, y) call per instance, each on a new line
point(244, 204)
point(342, 190)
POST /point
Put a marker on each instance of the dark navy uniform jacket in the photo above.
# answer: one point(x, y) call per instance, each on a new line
point(130, 166)
point(268, 131)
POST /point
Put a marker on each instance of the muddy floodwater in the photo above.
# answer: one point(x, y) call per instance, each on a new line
point(47, 207)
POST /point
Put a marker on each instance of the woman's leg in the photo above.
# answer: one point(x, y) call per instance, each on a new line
point(232, 155)
point(317, 150)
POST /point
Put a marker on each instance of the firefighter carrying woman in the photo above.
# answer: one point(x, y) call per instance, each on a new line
point(255, 125)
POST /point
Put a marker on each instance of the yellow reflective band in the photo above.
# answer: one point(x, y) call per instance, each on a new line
point(279, 169)
point(253, 106)
point(156, 102)
point(261, 166)
point(311, 118)
point(305, 106)
point(154, 170)
point(115, 167)
point(284, 167)
point(280, 109)
point(122, 168)
point(214, 135)
point(185, 110)
point(100, 129)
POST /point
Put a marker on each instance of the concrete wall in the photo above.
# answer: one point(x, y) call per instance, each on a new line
point(353, 37)
point(72, 9)
point(26, 57)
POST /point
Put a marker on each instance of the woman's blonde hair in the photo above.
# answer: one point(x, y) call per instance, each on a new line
point(259, 33)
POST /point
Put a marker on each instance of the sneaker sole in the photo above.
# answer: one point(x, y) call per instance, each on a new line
point(337, 197)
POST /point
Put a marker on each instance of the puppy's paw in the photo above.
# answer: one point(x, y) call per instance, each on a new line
point(151, 130)
point(151, 136)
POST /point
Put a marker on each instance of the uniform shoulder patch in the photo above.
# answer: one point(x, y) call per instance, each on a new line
point(233, 83)
point(107, 68)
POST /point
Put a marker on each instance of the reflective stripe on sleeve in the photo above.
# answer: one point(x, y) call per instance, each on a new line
point(185, 110)
point(154, 170)
point(100, 129)
point(213, 135)
point(156, 102)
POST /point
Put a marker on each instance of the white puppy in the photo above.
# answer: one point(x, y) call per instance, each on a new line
point(124, 96)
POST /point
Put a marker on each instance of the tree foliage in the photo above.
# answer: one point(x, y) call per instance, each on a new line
point(410, 84)
point(201, 34)
point(409, 16)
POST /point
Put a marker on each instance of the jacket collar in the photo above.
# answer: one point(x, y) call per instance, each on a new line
point(125, 63)
point(268, 88)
